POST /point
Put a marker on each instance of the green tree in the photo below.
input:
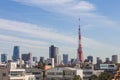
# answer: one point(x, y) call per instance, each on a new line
point(93, 77)
point(105, 76)
point(77, 77)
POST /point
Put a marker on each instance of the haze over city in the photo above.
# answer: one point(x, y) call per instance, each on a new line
point(34, 25)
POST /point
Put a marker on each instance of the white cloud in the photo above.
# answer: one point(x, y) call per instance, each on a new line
point(83, 5)
point(34, 31)
point(62, 6)
point(41, 33)
point(86, 10)
point(22, 41)
point(50, 1)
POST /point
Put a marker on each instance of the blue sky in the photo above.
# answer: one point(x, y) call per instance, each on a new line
point(34, 25)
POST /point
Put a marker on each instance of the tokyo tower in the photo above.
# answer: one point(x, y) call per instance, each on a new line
point(79, 51)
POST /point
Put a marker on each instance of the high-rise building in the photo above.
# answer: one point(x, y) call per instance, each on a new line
point(58, 60)
point(34, 59)
point(65, 58)
point(41, 59)
point(90, 58)
point(99, 61)
point(114, 58)
point(4, 58)
point(80, 53)
point(27, 57)
point(53, 53)
point(16, 53)
point(107, 60)
point(72, 61)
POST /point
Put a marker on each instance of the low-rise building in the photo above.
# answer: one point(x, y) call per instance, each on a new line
point(29, 77)
point(10, 71)
point(16, 74)
point(63, 73)
point(3, 72)
point(87, 72)
point(108, 67)
point(38, 73)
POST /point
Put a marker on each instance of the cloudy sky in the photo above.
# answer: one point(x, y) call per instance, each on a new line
point(34, 25)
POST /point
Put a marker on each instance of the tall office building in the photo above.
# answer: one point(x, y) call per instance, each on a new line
point(99, 61)
point(41, 59)
point(90, 58)
point(72, 61)
point(65, 58)
point(107, 60)
point(53, 53)
point(27, 57)
point(58, 60)
point(16, 53)
point(34, 59)
point(4, 58)
point(114, 58)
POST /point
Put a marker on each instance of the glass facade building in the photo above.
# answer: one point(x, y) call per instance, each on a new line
point(16, 53)
point(3, 58)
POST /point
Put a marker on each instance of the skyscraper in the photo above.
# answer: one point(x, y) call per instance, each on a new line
point(107, 60)
point(34, 59)
point(58, 60)
point(53, 53)
point(16, 53)
point(114, 59)
point(41, 59)
point(80, 53)
point(4, 58)
point(90, 58)
point(27, 57)
point(65, 58)
point(99, 61)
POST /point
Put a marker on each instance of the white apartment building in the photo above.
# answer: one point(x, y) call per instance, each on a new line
point(63, 73)
point(87, 72)
point(10, 71)
point(29, 77)
point(38, 73)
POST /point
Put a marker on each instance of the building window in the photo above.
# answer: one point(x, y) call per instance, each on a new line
point(58, 73)
point(4, 74)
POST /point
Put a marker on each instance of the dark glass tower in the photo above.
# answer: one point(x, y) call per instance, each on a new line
point(4, 58)
point(53, 53)
point(26, 57)
point(90, 58)
point(65, 58)
point(16, 53)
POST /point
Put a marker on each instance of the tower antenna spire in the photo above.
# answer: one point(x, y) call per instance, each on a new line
point(79, 32)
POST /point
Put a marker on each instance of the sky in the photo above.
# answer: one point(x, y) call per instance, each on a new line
point(35, 25)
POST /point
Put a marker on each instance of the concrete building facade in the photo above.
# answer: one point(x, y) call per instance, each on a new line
point(63, 73)
point(114, 59)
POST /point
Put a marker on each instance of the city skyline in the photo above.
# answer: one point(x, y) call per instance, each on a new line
point(35, 25)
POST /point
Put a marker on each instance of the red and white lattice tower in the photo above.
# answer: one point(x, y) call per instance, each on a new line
point(79, 51)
